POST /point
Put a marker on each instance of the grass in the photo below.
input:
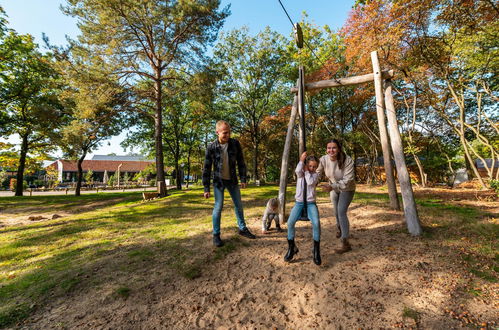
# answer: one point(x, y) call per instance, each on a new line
point(113, 238)
point(108, 235)
point(123, 291)
point(410, 313)
point(69, 203)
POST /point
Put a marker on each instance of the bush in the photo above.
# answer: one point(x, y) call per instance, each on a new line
point(111, 181)
point(38, 183)
point(12, 184)
point(4, 184)
point(494, 184)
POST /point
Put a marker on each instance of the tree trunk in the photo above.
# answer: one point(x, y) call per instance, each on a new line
point(459, 99)
point(385, 144)
point(410, 210)
point(178, 175)
point(422, 174)
point(79, 176)
point(188, 167)
point(158, 137)
point(255, 156)
point(22, 164)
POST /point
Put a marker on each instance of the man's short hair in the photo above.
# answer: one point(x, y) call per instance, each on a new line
point(221, 123)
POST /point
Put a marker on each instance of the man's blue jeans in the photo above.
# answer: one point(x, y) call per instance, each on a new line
point(313, 215)
point(235, 194)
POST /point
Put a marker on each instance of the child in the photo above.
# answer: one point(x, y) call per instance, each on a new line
point(305, 170)
point(271, 213)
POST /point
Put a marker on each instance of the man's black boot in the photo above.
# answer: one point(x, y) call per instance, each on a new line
point(246, 233)
point(317, 252)
point(217, 241)
point(292, 250)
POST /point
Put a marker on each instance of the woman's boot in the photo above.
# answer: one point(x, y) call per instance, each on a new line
point(345, 246)
point(317, 252)
point(338, 232)
point(292, 250)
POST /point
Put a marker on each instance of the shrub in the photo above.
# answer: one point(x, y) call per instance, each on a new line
point(494, 184)
point(12, 184)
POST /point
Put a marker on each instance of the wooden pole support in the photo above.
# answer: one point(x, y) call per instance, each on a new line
point(385, 144)
point(283, 181)
point(410, 210)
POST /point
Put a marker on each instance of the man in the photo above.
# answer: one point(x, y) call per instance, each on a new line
point(223, 156)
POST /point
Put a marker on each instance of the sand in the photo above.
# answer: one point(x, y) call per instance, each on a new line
point(386, 273)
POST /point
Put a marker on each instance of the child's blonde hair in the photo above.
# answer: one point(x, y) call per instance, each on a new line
point(221, 123)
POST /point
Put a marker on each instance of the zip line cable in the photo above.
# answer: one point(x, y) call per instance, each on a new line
point(306, 43)
point(293, 24)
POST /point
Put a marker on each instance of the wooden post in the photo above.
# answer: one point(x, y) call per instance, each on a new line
point(410, 210)
point(283, 181)
point(385, 146)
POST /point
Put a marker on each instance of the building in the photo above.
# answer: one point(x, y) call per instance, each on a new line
point(122, 158)
point(67, 169)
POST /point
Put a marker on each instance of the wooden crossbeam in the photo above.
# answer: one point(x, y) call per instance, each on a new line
point(344, 81)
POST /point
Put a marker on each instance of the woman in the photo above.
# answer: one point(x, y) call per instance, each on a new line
point(339, 169)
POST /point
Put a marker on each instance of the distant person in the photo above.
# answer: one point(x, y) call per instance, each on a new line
point(339, 169)
point(271, 214)
point(223, 156)
point(305, 170)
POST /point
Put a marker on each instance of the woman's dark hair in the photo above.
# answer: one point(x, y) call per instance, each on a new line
point(341, 154)
point(312, 157)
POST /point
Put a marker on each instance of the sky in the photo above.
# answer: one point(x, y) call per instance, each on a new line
point(44, 16)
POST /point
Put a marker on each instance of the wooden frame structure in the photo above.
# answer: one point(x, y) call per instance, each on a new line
point(389, 143)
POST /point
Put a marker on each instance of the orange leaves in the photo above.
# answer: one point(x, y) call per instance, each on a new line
point(386, 26)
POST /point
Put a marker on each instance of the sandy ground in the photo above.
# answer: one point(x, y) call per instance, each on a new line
point(253, 288)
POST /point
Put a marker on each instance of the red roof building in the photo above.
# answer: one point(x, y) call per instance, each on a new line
point(68, 168)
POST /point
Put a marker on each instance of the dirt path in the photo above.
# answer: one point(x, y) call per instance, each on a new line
point(370, 287)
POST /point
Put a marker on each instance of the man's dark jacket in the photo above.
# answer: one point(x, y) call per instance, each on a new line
point(213, 159)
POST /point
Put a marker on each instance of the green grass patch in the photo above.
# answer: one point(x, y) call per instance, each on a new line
point(123, 291)
point(14, 315)
point(410, 313)
point(192, 272)
point(484, 275)
point(368, 198)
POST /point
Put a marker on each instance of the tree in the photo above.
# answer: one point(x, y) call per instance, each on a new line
point(97, 105)
point(185, 110)
point(447, 52)
point(251, 85)
point(89, 177)
point(147, 41)
point(28, 97)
